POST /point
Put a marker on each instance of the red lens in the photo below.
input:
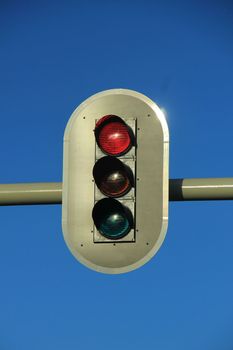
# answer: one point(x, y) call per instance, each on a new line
point(114, 138)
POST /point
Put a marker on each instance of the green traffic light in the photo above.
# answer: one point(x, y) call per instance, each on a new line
point(112, 219)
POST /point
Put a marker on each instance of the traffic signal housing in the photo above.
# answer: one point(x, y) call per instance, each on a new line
point(115, 181)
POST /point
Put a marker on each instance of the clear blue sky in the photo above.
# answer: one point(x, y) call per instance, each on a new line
point(53, 55)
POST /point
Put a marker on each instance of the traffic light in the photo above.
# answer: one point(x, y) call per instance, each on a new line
point(115, 181)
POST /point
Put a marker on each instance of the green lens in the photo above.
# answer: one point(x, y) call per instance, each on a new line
point(112, 219)
point(114, 225)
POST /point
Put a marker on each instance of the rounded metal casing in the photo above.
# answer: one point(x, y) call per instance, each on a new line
point(151, 178)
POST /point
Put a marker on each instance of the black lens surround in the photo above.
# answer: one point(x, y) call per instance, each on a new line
point(113, 177)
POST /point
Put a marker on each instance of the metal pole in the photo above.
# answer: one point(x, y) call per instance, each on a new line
point(179, 190)
point(31, 193)
point(201, 189)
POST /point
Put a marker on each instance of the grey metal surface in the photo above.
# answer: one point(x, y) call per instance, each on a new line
point(151, 173)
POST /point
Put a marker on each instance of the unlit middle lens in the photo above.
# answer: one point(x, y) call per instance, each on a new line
point(115, 183)
point(113, 177)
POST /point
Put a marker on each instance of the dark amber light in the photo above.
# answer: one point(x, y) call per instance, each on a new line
point(113, 177)
point(115, 183)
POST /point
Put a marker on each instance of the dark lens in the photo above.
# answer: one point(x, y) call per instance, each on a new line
point(113, 177)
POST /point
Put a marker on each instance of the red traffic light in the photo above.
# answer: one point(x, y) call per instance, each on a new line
point(113, 135)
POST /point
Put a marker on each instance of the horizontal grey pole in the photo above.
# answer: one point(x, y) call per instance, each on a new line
point(201, 189)
point(179, 190)
point(31, 193)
